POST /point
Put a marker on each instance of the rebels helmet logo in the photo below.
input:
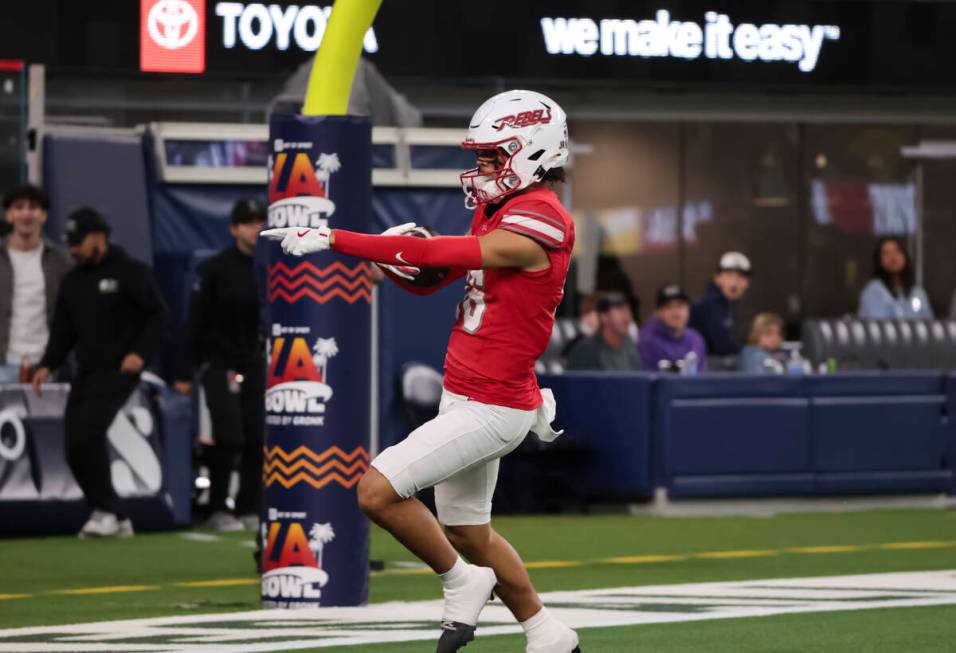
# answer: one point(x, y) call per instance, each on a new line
point(523, 119)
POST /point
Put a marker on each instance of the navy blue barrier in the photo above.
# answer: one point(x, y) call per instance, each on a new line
point(149, 450)
point(719, 435)
point(723, 434)
point(872, 432)
point(610, 414)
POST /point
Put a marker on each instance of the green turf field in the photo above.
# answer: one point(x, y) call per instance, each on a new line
point(67, 581)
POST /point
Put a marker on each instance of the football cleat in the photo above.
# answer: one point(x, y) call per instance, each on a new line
point(454, 635)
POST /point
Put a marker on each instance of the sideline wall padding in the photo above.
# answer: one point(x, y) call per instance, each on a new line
point(873, 432)
point(732, 434)
point(722, 435)
point(609, 413)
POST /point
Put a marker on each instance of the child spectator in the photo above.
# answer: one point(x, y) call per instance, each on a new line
point(764, 352)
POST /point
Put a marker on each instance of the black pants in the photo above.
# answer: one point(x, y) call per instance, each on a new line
point(238, 420)
point(95, 398)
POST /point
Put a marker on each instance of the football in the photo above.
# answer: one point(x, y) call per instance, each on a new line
point(428, 277)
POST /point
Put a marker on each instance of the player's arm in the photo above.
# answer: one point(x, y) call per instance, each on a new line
point(495, 250)
point(498, 249)
point(397, 250)
point(507, 249)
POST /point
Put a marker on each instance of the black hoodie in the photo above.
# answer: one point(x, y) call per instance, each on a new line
point(105, 311)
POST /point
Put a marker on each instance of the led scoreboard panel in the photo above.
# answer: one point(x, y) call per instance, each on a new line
point(770, 43)
point(873, 44)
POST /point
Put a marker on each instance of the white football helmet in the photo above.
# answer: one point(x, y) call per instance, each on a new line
point(530, 130)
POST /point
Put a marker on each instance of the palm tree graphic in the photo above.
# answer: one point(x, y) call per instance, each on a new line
point(325, 348)
point(327, 164)
point(319, 536)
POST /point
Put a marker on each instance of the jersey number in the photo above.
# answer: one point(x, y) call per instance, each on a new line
point(472, 307)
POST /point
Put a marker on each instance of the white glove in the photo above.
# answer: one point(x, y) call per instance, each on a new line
point(299, 241)
point(406, 272)
point(399, 230)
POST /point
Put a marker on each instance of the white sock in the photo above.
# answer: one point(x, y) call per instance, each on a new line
point(456, 576)
point(544, 632)
point(537, 623)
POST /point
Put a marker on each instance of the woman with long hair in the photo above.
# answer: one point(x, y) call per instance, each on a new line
point(893, 293)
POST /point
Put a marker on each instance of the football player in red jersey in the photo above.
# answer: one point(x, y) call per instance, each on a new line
point(515, 260)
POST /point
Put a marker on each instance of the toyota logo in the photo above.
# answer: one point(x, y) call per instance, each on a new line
point(172, 24)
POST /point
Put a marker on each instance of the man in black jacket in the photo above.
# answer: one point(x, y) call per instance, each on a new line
point(223, 342)
point(109, 311)
point(713, 313)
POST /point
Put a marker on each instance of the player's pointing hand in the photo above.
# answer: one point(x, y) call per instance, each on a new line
point(299, 241)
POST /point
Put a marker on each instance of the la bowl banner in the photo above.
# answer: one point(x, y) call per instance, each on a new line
point(318, 317)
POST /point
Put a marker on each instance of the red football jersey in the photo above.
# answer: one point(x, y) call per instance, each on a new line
point(505, 320)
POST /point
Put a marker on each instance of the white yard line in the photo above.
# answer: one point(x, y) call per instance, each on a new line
point(380, 623)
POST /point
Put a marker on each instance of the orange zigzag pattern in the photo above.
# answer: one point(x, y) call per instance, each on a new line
point(307, 280)
point(277, 282)
point(305, 466)
point(322, 298)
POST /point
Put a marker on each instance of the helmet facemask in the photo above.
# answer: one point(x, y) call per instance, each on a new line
point(482, 187)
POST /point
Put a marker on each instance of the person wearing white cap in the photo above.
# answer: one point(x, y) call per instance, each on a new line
point(713, 313)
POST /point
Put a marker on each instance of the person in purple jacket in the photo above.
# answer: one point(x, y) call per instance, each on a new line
point(667, 343)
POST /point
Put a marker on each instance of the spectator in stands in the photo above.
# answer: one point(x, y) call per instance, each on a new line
point(109, 311)
point(223, 344)
point(893, 293)
point(764, 353)
point(667, 343)
point(31, 268)
point(588, 323)
point(590, 320)
point(713, 314)
point(610, 348)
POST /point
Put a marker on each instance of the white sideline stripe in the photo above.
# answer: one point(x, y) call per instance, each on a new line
point(418, 621)
point(200, 537)
point(535, 225)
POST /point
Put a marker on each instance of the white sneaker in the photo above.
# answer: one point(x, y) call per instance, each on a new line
point(249, 522)
point(463, 605)
point(106, 524)
point(560, 639)
point(224, 522)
